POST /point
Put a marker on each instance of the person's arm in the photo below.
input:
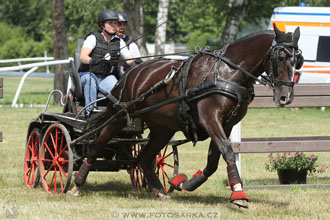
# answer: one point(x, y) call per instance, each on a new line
point(84, 55)
point(135, 52)
point(88, 46)
point(125, 53)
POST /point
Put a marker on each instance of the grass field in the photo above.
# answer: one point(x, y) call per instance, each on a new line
point(107, 194)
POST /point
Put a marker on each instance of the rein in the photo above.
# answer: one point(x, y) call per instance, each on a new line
point(204, 88)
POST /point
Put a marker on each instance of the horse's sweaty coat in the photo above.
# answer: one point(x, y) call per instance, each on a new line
point(210, 93)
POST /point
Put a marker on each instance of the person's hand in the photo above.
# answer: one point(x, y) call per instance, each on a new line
point(94, 62)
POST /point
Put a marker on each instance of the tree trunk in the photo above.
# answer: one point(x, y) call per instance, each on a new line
point(134, 10)
point(60, 46)
point(160, 37)
point(234, 19)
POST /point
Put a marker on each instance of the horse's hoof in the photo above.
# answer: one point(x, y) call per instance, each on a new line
point(163, 197)
point(240, 199)
point(177, 181)
point(74, 191)
point(241, 203)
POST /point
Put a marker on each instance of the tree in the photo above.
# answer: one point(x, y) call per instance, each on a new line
point(135, 25)
point(234, 19)
point(161, 27)
point(60, 46)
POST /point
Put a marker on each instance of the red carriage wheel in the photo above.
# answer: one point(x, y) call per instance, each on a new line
point(136, 173)
point(31, 159)
point(165, 169)
point(56, 159)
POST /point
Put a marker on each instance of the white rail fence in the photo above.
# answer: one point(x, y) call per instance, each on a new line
point(32, 68)
point(19, 61)
point(236, 131)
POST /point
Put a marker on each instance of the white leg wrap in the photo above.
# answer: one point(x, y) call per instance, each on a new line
point(238, 187)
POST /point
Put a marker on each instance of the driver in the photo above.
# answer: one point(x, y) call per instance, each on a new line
point(96, 72)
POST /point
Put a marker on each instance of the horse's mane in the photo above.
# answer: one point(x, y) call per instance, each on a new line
point(253, 36)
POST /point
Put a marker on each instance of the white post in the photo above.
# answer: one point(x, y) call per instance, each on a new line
point(45, 55)
point(323, 108)
point(19, 64)
point(235, 136)
point(21, 85)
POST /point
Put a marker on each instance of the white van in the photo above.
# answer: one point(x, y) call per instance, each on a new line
point(314, 23)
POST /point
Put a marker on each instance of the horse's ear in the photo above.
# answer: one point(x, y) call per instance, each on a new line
point(296, 35)
point(280, 36)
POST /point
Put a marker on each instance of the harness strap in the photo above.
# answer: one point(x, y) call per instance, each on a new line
point(158, 105)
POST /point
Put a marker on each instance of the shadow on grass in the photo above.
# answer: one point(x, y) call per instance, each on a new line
point(118, 189)
point(126, 190)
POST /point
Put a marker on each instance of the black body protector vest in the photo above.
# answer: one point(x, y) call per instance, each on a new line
point(101, 49)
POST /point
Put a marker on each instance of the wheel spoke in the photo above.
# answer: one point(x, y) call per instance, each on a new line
point(44, 176)
point(61, 181)
point(29, 171)
point(36, 148)
point(168, 155)
point(164, 182)
point(137, 178)
point(50, 152)
point(164, 172)
point(61, 152)
point(53, 141)
point(61, 144)
point(56, 141)
point(169, 165)
point(61, 170)
point(55, 174)
point(33, 174)
point(51, 181)
point(30, 147)
point(165, 149)
point(28, 160)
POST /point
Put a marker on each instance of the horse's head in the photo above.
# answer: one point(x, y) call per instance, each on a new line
point(285, 58)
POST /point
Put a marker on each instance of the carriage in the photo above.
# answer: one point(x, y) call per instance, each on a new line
point(57, 143)
point(203, 96)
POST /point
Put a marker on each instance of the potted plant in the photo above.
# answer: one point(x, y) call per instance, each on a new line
point(292, 168)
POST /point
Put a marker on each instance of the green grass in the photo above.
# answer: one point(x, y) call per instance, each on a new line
point(35, 90)
point(108, 192)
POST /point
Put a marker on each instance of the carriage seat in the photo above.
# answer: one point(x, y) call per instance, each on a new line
point(77, 90)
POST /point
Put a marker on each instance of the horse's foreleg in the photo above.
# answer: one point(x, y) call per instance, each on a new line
point(180, 181)
point(238, 197)
point(212, 123)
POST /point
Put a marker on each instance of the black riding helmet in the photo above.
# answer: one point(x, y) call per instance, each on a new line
point(122, 16)
point(106, 15)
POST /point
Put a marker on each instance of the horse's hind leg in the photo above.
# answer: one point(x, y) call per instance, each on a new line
point(95, 149)
point(180, 181)
point(159, 137)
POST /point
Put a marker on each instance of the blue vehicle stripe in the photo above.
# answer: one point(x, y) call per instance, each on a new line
point(300, 13)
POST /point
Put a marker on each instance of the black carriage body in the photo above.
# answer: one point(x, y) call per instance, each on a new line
point(117, 153)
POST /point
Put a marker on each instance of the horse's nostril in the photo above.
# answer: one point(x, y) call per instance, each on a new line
point(283, 99)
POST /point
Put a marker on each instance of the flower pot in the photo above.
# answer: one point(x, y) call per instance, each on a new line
point(292, 176)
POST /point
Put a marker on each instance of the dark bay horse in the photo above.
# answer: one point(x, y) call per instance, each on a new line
point(208, 95)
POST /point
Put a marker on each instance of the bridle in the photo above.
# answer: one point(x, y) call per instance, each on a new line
point(273, 57)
